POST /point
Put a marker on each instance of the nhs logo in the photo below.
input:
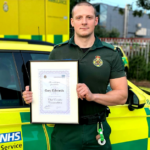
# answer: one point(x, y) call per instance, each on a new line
point(10, 137)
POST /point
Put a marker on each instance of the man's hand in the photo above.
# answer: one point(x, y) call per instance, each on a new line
point(84, 92)
point(27, 95)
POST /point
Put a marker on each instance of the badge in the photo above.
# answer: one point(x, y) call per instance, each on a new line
point(5, 6)
point(98, 61)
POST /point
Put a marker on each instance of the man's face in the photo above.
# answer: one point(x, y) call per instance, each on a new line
point(84, 20)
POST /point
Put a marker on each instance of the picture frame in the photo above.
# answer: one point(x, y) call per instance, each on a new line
point(53, 84)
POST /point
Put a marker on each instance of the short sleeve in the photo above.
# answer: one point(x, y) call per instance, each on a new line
point(117, 67)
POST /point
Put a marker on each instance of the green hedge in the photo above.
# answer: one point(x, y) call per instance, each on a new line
point(139, 70)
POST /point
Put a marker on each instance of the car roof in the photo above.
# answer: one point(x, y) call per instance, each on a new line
point(23, 44)
point(117, 46)
point(120, 49)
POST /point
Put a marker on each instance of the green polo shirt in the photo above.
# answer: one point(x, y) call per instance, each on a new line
point(96, 67)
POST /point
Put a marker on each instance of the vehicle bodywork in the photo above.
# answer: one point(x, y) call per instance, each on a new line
point(45, 20)
point(130, 123)
point(124, 58)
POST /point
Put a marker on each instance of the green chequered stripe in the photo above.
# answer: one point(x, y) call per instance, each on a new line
point(33, 37)
point(134, 145)
point(32, 134)
point(148, 120)
point(147, 111)
point(36, 37)
point(25, 116)
point(58, 39)
point(11, 36)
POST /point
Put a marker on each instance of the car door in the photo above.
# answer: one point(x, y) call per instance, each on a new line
point(35, 55)
point(130, 129)
point(16, 132)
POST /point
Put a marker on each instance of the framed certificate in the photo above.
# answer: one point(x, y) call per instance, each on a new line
point(53, 84)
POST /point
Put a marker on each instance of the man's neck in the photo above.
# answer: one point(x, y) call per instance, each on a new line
point(84, 42)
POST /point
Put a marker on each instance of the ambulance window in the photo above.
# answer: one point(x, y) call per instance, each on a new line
point(10, 94)
point(35, 56)
point(39, 56)
point(23, 76)
point(27, 56)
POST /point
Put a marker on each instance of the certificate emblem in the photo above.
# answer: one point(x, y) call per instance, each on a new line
point(63, 76)
point(98, 61)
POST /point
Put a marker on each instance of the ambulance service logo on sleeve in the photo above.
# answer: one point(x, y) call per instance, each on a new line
point(98, 61)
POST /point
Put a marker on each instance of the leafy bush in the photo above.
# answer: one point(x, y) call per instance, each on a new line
point(103, 33)
point(114, 33)
point(139, 70)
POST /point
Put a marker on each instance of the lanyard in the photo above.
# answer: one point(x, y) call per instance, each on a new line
point(102, 140)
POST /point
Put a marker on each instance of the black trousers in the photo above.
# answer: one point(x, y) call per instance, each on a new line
point(79, 137)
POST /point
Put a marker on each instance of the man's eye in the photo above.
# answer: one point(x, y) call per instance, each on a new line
point(89, 17)
point(78, 17)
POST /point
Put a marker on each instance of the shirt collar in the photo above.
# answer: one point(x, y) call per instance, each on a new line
point(71, 41)
point(97, 43)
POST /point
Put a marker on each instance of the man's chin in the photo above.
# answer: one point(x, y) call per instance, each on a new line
point(84, 35)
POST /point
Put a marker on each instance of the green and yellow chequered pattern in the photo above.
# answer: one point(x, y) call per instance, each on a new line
point(37, 131)
point(130, 131)
point(33, 136)
point(50, 38)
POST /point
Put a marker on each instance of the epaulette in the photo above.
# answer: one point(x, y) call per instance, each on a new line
point(109, 46)
point(60, 44)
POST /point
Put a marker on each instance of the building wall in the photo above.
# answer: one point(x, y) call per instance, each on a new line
point(116, 20)
point(133, 21)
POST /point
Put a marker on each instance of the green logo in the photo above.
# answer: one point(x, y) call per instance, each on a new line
point(98, 61)
point(124, 60)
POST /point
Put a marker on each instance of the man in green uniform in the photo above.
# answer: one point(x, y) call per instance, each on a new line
point(99, 65)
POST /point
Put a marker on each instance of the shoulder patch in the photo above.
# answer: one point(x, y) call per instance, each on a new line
point(60, 44)
point(108, 46)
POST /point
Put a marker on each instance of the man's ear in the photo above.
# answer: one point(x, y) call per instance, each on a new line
point(72, 23)
point(96, 21)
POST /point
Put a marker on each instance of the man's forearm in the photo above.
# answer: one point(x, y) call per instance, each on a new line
point(115, 97)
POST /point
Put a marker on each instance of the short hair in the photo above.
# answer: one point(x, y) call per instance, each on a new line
point(85, 4)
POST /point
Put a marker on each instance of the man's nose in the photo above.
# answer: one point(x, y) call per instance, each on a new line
point(84, 21)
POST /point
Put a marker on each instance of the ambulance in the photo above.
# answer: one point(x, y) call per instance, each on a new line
point(25, 21)
point(130, 123)
point(44, 20)
point(124, 58)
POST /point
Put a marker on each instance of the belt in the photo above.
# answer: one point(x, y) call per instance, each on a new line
point(92, 119)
